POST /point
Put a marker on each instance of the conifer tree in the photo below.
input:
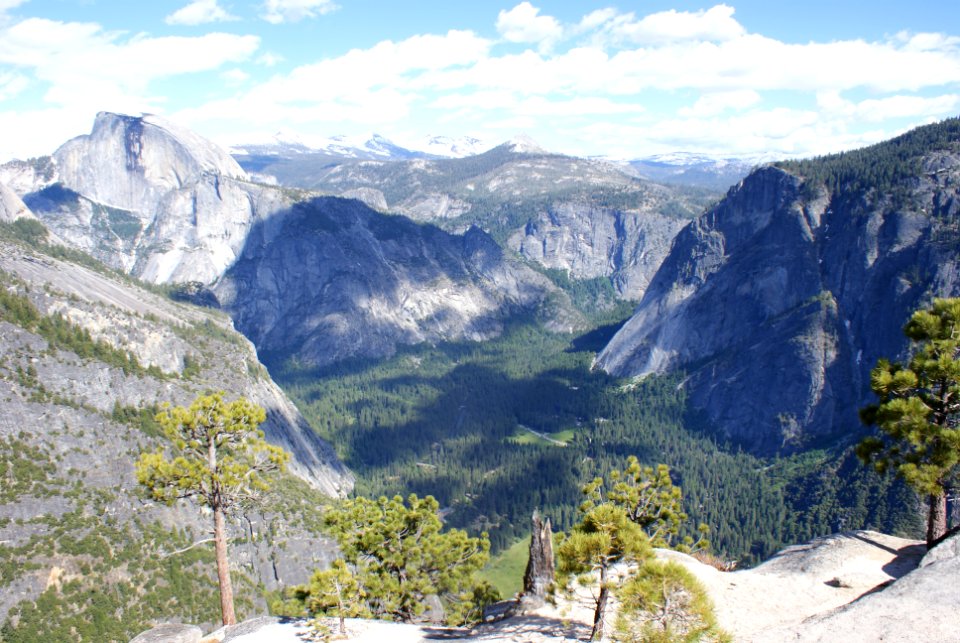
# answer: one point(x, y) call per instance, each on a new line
point(220, 459)
point(604, 537)
point(918, 412)
point(402, 557)
point(651, 500)
point(337, 592)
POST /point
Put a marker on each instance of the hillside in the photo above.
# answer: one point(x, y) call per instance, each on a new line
point(586, 218)
point(86, 358)
point(778, 301)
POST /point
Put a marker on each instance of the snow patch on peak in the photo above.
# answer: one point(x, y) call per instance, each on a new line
point(523, 144)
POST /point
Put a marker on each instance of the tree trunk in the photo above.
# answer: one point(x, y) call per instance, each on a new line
point(936, 517)
point(540, 568)
point(223, 567)
point(599, 615)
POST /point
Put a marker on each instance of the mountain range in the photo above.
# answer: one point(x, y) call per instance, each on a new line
point(782, 282)
point(768, 304)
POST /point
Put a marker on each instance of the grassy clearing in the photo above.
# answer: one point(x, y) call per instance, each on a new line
point(526, 436)
point(505, 570)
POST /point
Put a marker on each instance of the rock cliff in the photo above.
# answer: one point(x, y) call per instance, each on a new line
point(323, 278)
point(146, 196)
point(589, 217)
point(778, 301)
point(588, 241)
point(11, 206)
point(332, 279)
point(86, 357)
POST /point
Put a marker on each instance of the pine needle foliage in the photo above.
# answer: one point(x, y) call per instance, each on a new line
point(402, 558)
point(664, 603)
point(220, 460)
point(918, 413)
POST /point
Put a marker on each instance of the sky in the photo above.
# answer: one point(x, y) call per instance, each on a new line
point(589, 78)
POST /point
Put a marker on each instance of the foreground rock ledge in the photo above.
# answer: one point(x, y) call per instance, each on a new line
point(856, 587)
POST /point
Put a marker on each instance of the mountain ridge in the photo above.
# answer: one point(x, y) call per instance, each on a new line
point(780, 299)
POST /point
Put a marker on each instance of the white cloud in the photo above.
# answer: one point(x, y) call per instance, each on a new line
point(716, 24)
point(12, 84)
point(83, 63)
point(523, 24)
point(280, 11)
point(878, 110)
point(719, 102)
point(199, 12)
point(6, 5)
point(235, 76)
point(270, 59)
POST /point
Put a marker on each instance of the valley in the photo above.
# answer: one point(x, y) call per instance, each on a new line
point(494, 331)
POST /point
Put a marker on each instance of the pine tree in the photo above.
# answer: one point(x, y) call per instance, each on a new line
point(604, 537)
point(918, 411)
point(220, 460)
point(652, 501)
point(337, 592)
point(402, 558)
point(664, 602)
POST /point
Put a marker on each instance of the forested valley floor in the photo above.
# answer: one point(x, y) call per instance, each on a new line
point(498, 429)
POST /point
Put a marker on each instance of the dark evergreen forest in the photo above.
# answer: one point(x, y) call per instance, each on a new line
point(498, 429)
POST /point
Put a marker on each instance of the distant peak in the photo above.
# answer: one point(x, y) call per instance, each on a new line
point(523, 144)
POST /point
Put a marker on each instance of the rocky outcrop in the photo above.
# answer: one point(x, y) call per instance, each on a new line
point(170, 633)
point(799, 591)
point(332, 279)
point(919, 606)
point(11, 207)
point(75, 418)
point(588, 241)
point(777, 302)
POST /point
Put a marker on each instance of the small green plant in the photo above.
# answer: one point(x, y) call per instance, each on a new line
point(401, 557)
point(664, 603)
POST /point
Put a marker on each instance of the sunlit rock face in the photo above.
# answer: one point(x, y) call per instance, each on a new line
point(777, 302)
point(148, 197)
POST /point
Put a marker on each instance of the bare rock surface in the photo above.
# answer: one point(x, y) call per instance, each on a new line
point(855, 587)
point(921, 606)
point(170, 633)
point(11, 206)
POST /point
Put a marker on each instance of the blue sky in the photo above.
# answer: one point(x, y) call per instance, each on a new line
point(588, 78)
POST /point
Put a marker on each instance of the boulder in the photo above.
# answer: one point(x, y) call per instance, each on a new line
point(170, 633)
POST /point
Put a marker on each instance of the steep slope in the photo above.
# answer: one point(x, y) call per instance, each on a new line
point(779, 300)
point(85, 360)
point(590, 218)
point(146, 196)
point(154, 200)
point(332, 279)
point(11, 207)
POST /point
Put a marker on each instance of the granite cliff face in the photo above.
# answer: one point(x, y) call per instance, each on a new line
point(588, 241)
point(778, 301)
point(76, 414)
point(11, 206)
point(591, 218)
point(146, 196)
point(323, 278)
point(334, 279)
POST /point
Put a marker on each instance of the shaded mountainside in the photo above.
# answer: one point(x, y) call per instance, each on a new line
point(332, 279)
point(778, 301)
point(86, 359)
point(324, 279)
point(590, 218)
